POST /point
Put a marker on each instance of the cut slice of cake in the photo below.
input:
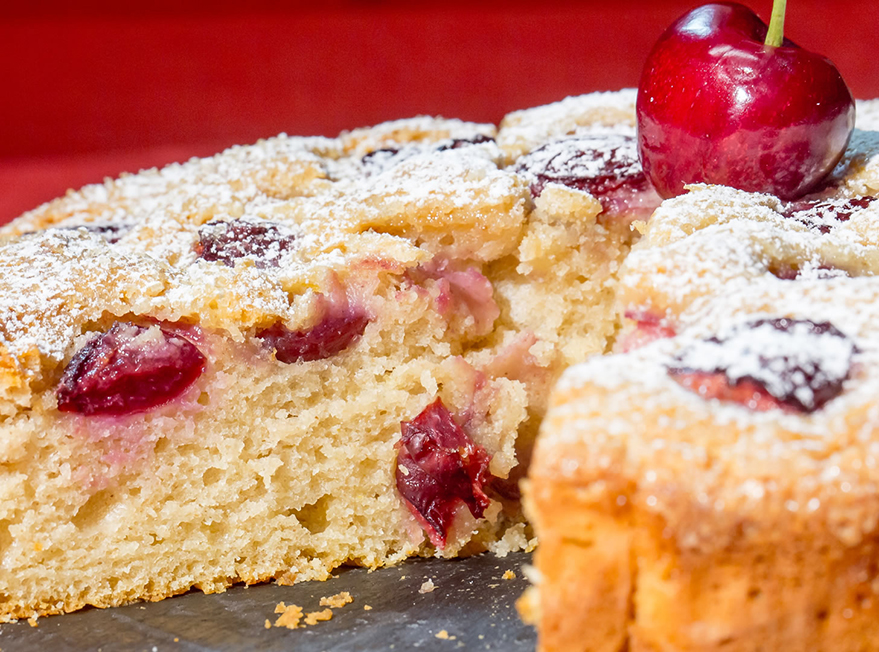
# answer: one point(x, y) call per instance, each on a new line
point(295, 355)
point(712, 485)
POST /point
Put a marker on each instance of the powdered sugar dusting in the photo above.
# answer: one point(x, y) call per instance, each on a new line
point(795, 361)
point(252, 235)
point(825, 214)
point(605, 165)
point(523, 131)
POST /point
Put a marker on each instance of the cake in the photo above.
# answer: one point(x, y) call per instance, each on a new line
point(711, 484)
point(302, 353)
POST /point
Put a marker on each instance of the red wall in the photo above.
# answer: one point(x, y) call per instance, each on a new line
point(98, 88)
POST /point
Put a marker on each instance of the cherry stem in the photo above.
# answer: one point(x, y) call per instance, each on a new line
point(775, 35)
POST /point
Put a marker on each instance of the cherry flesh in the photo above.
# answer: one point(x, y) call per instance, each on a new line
point(227, 241)
point(439, 468)
point(796, 365)
point(128, 369)
point(333, 334)
point(604, 165)
point(717, 105)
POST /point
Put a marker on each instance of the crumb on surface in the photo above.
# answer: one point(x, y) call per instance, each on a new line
point(443, 634)
point(268, 625)
point(338, 600)
point(508, 575)
point(427, 587)
point(314, 617)
point(290, 617)
point(367, 607)
point(32, 621)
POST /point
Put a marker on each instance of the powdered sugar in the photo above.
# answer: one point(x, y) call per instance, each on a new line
point(523, 131)
point(595, 163)
point(795, 361)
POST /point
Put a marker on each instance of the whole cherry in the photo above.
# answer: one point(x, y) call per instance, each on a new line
point(725, 99)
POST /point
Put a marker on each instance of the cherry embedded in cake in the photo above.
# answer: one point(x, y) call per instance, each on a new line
point(336, 331)
point(381, 159)
point(128, 369)
point(823, 215)
point(793, 364)
point(604, 165)
point(439, 469)
point(458, 143)
point(111, 233)
point(227, 241)
point(648, 327)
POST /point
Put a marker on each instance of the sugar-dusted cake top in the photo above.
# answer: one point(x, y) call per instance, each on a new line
point(747, 396)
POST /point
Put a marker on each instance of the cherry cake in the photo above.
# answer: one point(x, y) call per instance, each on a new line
point(711, 485)
point(302, 353)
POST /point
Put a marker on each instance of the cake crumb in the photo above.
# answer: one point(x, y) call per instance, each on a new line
point(338, 600)
point(314, 617)
point(443, 634)
point(367, 607)
point(32, 621)
point(268, 625)
point(508, 575)
point(427, 587)
point(290, 617)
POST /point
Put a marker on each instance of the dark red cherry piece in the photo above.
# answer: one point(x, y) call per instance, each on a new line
point(439, 468)
point(717, 105)
point(338, 330)
point(794, 364)
point(227, 241)
point(604, 165)
point(382, 159)
point(128, 369)
point(460, 143)
point(823, 214)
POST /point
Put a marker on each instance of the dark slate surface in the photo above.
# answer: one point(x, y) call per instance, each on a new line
point(471, 602)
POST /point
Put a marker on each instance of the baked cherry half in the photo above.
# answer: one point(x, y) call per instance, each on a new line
point(335, 332)
point(439, 468)
point(823, 214)
point(717, 104)
point(604, 165)
point(128, 369)
point(227, 241)
point(796, 365)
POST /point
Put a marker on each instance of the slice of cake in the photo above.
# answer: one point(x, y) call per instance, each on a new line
point(712, 486)
point(299, 354)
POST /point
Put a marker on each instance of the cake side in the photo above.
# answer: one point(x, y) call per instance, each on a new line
point(695, 523)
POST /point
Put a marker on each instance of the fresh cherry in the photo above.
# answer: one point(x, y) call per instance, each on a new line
point(723, 99)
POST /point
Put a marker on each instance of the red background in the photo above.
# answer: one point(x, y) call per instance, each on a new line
point(93, 88)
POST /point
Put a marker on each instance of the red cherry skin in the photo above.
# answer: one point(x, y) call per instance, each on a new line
point(716, 105)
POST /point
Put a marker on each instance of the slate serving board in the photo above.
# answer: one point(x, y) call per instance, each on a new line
point(471, 603)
